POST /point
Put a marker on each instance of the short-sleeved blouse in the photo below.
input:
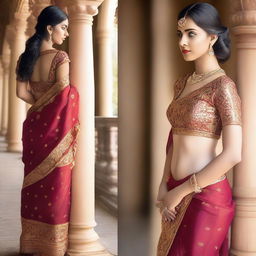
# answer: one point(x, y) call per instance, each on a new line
point(39, 87)
point(204, 111)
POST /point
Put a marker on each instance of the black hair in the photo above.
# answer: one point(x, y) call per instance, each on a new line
point(207, 17)
point(51, 15)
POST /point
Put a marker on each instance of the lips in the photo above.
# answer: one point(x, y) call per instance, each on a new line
point(185, 51)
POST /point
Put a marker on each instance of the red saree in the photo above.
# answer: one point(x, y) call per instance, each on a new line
point(49, 144)
point(202, 223)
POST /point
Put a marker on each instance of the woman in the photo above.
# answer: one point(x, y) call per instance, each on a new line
point(194, 197)
point(49, 137)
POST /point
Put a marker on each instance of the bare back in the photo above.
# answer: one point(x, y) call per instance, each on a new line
point(42, 67)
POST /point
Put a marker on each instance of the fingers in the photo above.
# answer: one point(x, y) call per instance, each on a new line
point(169, 215)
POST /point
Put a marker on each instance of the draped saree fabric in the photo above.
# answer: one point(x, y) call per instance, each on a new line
point(202, 223)
point(49, 144)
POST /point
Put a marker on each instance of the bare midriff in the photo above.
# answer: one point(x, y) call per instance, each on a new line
point(191, 154)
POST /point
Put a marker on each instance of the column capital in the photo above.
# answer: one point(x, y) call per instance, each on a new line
point(35, 7)
point(19, 22)
point(243, 12)
point(83, 10)
point(243, 23)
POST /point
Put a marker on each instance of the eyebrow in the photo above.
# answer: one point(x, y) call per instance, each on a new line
point(189, 29)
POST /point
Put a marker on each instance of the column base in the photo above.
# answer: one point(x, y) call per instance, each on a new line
point(100, 253)
point(234, 252)
point(84, 241)
point(14, 146)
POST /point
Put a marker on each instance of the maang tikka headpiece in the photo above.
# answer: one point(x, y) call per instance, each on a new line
point(182, 21)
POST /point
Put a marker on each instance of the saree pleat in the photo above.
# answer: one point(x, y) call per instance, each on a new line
point(202, 223)
point(49, 145)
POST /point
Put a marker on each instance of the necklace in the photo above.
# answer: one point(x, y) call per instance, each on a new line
point(196, 78)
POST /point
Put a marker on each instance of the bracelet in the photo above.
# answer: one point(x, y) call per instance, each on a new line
point(194, 184)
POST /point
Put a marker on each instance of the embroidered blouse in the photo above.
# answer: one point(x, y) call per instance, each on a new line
point(204, 111)
point(39, 87)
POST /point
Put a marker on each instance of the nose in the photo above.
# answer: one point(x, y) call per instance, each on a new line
point(67, 34)
point(183, 41)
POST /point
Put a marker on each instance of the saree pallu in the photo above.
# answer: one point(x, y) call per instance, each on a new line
point(49, 144)
point(202, 223)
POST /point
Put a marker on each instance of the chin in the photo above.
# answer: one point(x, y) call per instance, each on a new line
point(188, 58)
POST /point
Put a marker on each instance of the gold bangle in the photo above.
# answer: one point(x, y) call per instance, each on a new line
point(193, 182)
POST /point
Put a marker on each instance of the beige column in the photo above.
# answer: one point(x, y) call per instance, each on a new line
point(244, 186)
point(104, 35)
point(83, 240)
point(6, 66)
point(134, 127)
point(1, 90)
point(17, 107)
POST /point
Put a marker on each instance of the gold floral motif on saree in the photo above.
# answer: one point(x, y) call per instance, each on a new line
point(50, 240)
point(56, 158)
point(170, 228)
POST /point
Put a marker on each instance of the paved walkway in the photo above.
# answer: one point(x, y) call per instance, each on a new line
point(11, 175)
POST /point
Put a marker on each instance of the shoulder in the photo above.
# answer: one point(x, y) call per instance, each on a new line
point(179, 83)
point(60, 58)
point(226, 82)
point(226, 89)
point(62, 55)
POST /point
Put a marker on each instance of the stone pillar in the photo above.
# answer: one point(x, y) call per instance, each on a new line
point(17, 107)
point(83, 240)
point(134, 126)
point(1, 90)
point(104, 35)
point(244, 186)
point(6, 66)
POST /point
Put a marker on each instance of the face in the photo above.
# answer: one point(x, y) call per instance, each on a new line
point(59, 32)
point(194, 41)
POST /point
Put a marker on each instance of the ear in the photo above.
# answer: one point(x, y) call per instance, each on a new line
point(214, 38)
point(49, 29)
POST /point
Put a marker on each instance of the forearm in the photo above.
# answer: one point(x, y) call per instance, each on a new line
point(167, 165)
point(28, 98)
point(211, 172)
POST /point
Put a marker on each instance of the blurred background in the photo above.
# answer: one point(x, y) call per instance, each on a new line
point(149, 64)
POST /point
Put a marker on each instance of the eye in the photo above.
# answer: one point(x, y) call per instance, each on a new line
point(179, 34)
point(191, 34)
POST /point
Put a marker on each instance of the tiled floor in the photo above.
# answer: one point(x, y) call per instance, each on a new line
point(11, 175)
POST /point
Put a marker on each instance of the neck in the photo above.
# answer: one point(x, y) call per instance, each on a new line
point(46, 45)
point(205, 64)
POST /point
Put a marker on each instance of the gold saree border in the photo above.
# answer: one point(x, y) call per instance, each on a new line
point(48, 97)
point(170, 228)
point(56, 158)
point(39, 237)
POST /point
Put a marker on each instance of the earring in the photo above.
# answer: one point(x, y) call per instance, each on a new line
point(210, 50)
point(50, 37)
